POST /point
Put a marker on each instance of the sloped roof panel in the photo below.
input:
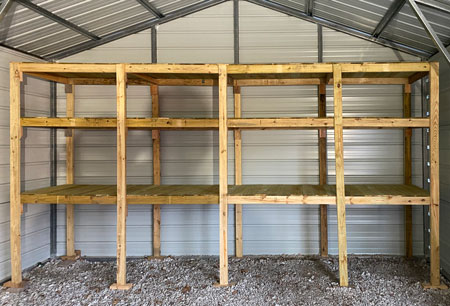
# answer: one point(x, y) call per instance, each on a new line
point(28, 31)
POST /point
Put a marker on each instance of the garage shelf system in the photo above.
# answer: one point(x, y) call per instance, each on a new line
point(237, 76)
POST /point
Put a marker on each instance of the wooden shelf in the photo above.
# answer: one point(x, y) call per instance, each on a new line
point(237, 194)
point(233, 123)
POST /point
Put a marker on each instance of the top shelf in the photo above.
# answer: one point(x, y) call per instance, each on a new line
point(238, 75)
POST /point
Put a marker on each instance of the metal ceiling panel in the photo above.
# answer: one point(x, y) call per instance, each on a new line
point(31, 32)
point(358, 14)
point(405, 28)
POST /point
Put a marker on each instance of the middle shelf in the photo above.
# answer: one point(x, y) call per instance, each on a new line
point(232, 123)
point(383, 194)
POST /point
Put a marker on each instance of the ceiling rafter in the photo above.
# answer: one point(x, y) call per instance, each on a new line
point(41, 11)
point(151, 8)
point(429, 29)
point(391, 12)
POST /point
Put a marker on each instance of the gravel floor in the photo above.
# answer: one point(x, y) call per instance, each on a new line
point(269, 280)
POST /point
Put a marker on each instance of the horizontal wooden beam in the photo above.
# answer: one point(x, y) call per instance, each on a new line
point(151, 123)
point(386, 67)
point(329, 200)
point(214, 199)
point(279, 68)
point(67, 68)
point(173, 68)
point(279, 123)
point(233, 123)
point(50, 77)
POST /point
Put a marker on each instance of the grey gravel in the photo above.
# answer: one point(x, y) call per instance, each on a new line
point(268, 280)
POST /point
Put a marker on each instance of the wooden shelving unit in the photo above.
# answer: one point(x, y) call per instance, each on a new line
point(237, 76)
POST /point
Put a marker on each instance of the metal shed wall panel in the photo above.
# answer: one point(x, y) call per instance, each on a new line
point(35, 168)
point(191, 157)
point(444, 150)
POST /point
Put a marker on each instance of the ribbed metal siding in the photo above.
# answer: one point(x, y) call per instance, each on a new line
point(444, 150)
point(35, 168)
point(268, 156)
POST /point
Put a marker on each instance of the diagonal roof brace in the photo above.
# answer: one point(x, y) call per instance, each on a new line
point(4, 7)
point(340, 27)
point(436, 4)
point(392, 11)
point(28, 4)
point(427, 26)
point(151, 8)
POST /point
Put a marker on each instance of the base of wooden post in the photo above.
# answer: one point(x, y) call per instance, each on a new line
point(73, 257)
point(218, 285)
point(155, 257)
point(116, 286)
point(16, 287)
point(429, 286)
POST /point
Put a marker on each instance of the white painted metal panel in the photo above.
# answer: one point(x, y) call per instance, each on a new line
point(190, 157)
point(35, 167)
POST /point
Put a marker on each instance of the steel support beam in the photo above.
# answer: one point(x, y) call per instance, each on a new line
point(427, 26)
point(41, 11)
point(309, 6)
point(133, 29)
point(392, 11)
point(151, 8)
point(319, 44)
point(154, 45)
point(4, 7)
point(341, 28)
point(438, 5)
point(53, 170)
point(236, 30)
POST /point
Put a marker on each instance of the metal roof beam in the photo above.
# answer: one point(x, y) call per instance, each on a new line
point(309, 6)
point(151, 8)
point(133, 29)
point(4, 7)
point(427, 26)
point(28, 4)
point(341, 28)
point(438, 5)
point(392, 11)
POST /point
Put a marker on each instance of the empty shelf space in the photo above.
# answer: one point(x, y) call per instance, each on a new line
point(242, 194)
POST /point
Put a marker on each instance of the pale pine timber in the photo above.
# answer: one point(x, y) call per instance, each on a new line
point(435, 276)
point(14, 161)
point(223, 176)
point(122, 211)
point(156, 143)
point(340, 187)
point(238, 170)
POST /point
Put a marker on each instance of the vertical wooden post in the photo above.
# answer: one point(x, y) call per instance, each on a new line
point(435, 277)
point(407, 163)
point(238, 170)
point(156, 139)
point(70, 113)
point(340, 186)
point(323, 170)
point(121, 84)
point(14, 162)
point(223, 175)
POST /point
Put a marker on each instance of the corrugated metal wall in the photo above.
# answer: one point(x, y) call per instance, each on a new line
point(444, 141)
point(35, 167)
point(371, 156)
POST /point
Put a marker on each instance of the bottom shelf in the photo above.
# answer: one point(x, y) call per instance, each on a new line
point(237, 194)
